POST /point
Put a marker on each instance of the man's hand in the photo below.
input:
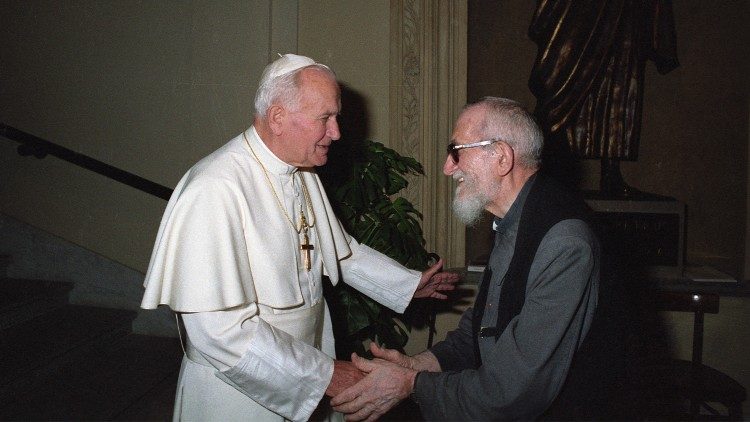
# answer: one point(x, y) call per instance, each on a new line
point(434, 282)
point(424, 361)
point(385, 385)
point(393, 356)
point(345, 375)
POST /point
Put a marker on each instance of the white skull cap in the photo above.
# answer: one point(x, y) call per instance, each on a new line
point(286, 64)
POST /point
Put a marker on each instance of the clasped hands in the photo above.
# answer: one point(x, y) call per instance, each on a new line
point(365, 389)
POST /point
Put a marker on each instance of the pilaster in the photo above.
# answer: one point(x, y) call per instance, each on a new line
point(427, 91)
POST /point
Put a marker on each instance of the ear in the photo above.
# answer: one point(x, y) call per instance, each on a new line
point(275, 116)
point(505, 158)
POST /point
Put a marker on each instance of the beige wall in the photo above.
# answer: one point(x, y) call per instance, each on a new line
point(353, 38)
point(149, 89)
point(152, 89)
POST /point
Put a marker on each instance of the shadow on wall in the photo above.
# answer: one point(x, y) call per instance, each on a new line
point(355, 127)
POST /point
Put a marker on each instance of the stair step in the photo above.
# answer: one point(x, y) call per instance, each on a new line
point(5, 261)
point(23, 300)
point(37, 343)
point(128, 378)
point(158, 403)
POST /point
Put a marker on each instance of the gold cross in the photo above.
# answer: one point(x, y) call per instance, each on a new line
point(305, 245)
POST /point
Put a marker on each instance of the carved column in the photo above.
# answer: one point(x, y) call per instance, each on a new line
point(427, 90)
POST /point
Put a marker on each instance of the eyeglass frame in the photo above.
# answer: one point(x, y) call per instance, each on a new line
point(453, 148)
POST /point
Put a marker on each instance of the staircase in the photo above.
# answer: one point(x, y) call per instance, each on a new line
point(69, 362)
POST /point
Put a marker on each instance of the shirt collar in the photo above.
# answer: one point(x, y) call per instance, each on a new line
point(514, 213)
point(272, 163)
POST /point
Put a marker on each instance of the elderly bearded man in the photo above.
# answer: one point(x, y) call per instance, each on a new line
point(241, 252)
point(511, 354)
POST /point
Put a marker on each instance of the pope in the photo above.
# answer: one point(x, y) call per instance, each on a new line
point(241, 255)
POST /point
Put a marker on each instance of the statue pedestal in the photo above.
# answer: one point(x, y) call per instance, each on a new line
point(649, 229)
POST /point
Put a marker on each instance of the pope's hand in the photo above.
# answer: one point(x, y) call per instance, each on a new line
point(433, 282)
point(345, 374)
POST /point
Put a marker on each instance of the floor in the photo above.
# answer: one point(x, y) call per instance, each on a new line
point(79, 363)
point(66, 362)
point(83, 363)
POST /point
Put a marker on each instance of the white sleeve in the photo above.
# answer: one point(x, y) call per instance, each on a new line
point(284, 375)
point(381, 278)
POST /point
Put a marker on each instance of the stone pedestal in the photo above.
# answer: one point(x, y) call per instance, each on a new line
point(648, 228)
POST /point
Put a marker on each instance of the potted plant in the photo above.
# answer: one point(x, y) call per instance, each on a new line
point(362, 186)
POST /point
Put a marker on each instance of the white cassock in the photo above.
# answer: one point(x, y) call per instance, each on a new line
point(259, 337)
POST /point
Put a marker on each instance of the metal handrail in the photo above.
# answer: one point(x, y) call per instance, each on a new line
point(40, 148)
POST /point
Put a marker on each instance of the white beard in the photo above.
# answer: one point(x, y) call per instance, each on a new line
point(468, 211)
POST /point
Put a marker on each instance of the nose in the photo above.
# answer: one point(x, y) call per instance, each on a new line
point(450, 166)
point(332, 129)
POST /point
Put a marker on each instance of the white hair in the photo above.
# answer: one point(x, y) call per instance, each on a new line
point(280, 83)
point(509, 121)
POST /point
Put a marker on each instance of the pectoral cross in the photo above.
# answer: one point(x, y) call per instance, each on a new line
point(305, 246)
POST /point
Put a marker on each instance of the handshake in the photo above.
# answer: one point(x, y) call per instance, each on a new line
point(366, 389)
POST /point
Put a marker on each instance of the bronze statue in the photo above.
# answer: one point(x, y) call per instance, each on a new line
point(588, 75)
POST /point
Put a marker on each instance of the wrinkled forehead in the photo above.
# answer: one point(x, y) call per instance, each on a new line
point(470, 125)
point(318, 91)
point(316, 79)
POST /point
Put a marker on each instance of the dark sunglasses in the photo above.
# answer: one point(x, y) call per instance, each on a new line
point(453, 148)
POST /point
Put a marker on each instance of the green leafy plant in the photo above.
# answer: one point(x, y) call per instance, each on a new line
point(362, 188)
